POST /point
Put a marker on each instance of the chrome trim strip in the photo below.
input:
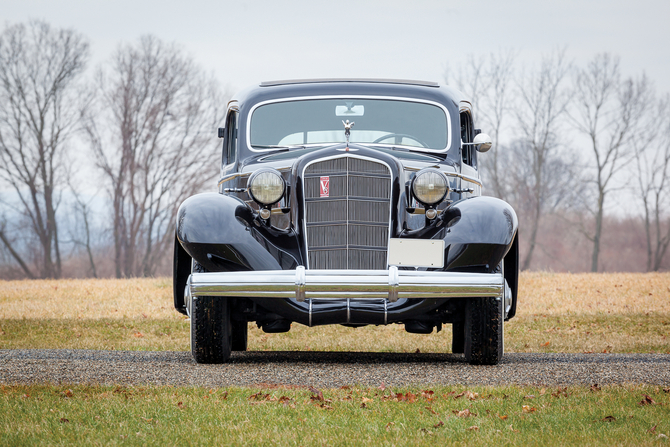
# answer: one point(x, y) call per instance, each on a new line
point(348, 310)
point(344, 284)
point(392, 98)
point(386, 314)
point(360, 157)
point(467, 178)
point(394, 283)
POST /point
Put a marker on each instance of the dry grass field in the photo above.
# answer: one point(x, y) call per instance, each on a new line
point(628, 312)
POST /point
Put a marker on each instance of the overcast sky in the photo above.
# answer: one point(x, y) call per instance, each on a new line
point(245, 42)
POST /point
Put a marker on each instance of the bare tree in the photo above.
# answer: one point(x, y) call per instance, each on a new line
point(153, 137)
point(607, 110)
point(486, 81)
point(543, 101)
point(39, 70)
point(652, 158)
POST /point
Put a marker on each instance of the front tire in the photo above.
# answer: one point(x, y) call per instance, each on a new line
point(484, 331)
point(240, 336)
point(211, 329)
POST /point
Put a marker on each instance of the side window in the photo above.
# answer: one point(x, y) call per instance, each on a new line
point(467, 135)
point(230, 141)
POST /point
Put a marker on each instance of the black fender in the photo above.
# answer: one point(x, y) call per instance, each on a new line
point(478, 232)
point(223, 234)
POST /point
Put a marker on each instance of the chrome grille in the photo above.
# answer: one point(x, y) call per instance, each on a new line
point(349, 229)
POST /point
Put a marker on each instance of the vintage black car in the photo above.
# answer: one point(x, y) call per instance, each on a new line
point(352, 202)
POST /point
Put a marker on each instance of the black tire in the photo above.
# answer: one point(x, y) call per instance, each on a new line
point(458, 337)
point(483, 331)
point(240, 335)
point(211, 330)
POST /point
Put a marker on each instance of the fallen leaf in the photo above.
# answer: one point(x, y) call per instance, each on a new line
point(64, 420)
point(428, 394)
point(326, 407)
point(503, 417)
point(180, 404)
point(464, 413)
point(542, 391)
point(470, 395)
point(68, 393)
point(138, 335)
point(608, 419)
point(431, 410)
point(473, 428)
point(595, 387)
point(647, 400)
point(545, 344)
point(418, 351)
point(365, 399)
point(439, 424)
point(389, 425)
point(382, 386)
point(363, 405)
point(317, 394)
point(529, 396)
point(528, 409)
point(661, 435)
point(653, 429)
point(458, 396)
point(149, 421)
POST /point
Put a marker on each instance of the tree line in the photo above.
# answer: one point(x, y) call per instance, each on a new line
point(572, 143)
point(136, 131)
point(138, 127)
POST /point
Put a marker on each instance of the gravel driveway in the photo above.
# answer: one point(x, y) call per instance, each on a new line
point(327, 369)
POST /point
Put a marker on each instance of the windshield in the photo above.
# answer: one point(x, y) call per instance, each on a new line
point(377, 121)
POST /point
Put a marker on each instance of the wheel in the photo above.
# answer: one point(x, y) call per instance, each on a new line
point(240, 333)
point(398, 138)
point(239, 329)
point(458, 337)
point(211, 329)
point(484, 331)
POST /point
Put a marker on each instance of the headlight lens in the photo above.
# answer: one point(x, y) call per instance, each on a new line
point(430, 186)
point(266, 186)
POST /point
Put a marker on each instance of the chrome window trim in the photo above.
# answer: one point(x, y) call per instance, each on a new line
point(360, 157)
point(387, 98)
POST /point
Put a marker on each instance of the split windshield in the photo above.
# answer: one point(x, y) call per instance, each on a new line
point(377, 121)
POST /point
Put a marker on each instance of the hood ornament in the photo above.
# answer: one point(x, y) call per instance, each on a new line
point(347, 130)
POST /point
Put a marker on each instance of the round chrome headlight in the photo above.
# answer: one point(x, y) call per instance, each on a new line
point(266, 186)
point(430, 186)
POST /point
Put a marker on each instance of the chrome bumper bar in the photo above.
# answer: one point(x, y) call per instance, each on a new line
point(302, 284)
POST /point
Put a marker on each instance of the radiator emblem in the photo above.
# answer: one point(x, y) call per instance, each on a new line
point(325, 186)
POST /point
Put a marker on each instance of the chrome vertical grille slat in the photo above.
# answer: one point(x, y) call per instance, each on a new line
point(348, 229)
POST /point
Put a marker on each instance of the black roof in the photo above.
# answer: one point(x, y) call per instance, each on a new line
point(364, 80)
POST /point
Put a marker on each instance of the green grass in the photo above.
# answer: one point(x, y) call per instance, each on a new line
point(100, 415)
point(572, 333)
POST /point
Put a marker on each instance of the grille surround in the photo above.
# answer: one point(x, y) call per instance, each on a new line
point(350, 228)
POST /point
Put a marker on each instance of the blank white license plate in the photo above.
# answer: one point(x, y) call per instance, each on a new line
point(416, 253)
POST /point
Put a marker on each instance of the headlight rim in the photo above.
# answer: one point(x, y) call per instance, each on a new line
point(255, 175)
point(446, 189)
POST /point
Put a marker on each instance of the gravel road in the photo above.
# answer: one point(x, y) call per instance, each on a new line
point(327, 369)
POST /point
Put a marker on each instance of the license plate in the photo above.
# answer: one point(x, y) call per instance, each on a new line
point(416, 253)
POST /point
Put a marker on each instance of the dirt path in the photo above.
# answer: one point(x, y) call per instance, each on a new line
point(327, 369)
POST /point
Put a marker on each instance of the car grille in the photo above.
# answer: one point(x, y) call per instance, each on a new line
point(349, 229)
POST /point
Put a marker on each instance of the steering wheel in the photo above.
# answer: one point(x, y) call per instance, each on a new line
point(398, 137)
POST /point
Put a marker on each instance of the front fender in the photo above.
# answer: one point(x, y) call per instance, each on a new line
point(477, 232)
point(223, 234)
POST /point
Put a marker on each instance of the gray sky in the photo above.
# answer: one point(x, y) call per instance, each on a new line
point(245, 42)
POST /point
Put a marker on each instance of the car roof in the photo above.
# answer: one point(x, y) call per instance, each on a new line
point(356, 80)
point(398, 88)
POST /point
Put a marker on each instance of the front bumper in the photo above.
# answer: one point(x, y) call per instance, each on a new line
point(302, 284)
